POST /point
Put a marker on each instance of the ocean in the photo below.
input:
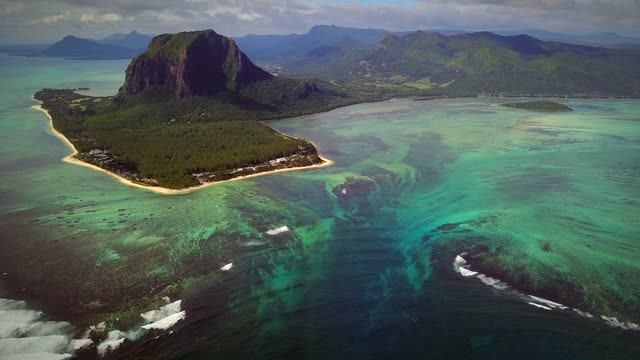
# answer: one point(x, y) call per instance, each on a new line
point(446, 229)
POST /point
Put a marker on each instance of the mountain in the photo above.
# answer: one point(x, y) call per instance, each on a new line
point(274, 47)
point(191, 64)
point(479, 63)
point(189, 112)
point(132, 40)
point(74, 47)
point(602, 39)
point(207, 64)
point(286, 47)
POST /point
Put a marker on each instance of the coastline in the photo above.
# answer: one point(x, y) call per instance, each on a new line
point(325, 162)
point(158, 189)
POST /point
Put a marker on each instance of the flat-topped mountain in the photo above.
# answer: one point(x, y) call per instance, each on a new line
point(188, 114)
point(199, 63)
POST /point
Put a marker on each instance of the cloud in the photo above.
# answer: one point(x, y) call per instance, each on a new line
point(595, 8)
point(51, 19)
point(11, 7)
point(100, 18)
point(237, 11)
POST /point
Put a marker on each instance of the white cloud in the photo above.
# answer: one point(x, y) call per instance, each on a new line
point(50, 19)
point(100, 18)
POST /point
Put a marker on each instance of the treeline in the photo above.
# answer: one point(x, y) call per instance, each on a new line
point(171, 153)
point(167, 139)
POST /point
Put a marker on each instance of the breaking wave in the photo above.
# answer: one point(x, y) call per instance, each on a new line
point(27, 334)
point(162, 312)
point(277, 231)
point(162, 318)
point(462, 267)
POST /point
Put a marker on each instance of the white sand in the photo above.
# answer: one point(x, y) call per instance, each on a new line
point(157, 189)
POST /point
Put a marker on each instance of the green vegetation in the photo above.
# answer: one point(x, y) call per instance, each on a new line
point(539, 106)
point(476, 64)
point(191, 102)
point(189, 113)
point(167, 139)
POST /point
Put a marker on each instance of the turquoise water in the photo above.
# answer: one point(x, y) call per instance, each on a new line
point(547, 203)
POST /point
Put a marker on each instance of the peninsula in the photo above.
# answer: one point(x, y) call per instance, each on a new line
point(189, 111)
point(189, 115)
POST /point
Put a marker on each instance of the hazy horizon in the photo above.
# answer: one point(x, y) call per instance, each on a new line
point(37, 21)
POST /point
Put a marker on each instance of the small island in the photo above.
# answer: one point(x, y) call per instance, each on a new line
point(547, 106)
point(188, 115)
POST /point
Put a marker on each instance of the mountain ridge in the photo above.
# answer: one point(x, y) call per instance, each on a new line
point(469, 64)
point(74, 47)
point(132, 39)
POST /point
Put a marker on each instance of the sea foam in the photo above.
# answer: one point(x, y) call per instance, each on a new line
point(26, 334)
point(38, 356)
point(23, 316)
point(539, 306)
point(167, 322)
point(461, 266)
point(54, 344)
point(114, 339)
point(8, 304)
point(277, 231)
point(161, 313)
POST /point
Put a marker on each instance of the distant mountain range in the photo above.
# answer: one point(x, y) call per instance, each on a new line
point(279, 47)
point(78, 48)
point(132, 40)
point(116, 46)
point(269, 48)
point(473, 64)
point(602, 39)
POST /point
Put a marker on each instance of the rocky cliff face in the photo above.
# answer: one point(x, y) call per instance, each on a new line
point(199, 63)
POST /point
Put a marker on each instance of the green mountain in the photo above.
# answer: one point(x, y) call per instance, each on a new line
point(189, 113)
point(191, 64)
point(78, 48)
point(208, 66)
point(478, 63)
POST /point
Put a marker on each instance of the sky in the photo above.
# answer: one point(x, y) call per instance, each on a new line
point(44, 21)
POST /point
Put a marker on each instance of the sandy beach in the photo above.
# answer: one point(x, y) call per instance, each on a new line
point(158, 189)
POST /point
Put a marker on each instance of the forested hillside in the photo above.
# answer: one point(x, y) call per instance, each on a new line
point(478, 63)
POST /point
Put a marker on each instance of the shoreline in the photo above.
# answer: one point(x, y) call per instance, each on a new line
point(158, 189)
point(325, 162)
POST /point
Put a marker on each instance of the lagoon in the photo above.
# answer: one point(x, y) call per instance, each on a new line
point(546, 203)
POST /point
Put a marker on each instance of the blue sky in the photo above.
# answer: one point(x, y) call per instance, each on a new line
point(33, 21)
